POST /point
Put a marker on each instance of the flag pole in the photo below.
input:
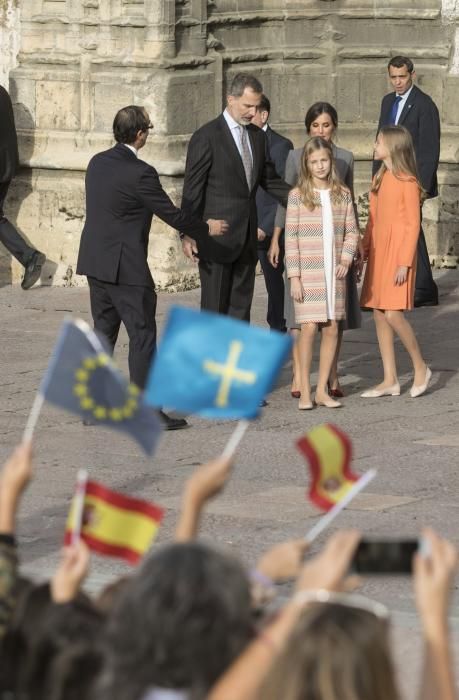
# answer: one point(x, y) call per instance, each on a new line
point(34, 414)
point(325, 521)
point(235, 439)
point(82, 480)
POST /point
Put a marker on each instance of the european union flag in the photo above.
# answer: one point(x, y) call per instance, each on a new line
point(83, 379)
point(214, 365)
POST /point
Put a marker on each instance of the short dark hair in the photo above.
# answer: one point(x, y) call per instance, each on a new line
point(265, 104)
point(316, 110)
point(241, 81)
point(128, 122)
point(400, 61)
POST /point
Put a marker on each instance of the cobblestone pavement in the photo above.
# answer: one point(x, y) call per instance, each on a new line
point(413, 443)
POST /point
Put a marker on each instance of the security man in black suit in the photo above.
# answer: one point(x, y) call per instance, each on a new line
point(31, 259)
point(226, 163)
point(122, 194)
point(408, 106)
point(277, 150)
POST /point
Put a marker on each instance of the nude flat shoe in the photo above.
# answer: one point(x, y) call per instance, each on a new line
point(305, 406)
point(393, 390)
point(328, 403)
point(416, 391)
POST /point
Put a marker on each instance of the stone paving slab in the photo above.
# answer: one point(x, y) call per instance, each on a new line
point(413, 443)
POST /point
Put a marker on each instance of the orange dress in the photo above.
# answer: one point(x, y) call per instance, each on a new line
point(390, 241)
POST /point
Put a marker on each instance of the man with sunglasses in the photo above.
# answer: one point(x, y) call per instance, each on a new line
point(123, 193)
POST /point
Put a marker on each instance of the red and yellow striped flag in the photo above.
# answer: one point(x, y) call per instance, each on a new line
point(113, 524)
point(328, 451)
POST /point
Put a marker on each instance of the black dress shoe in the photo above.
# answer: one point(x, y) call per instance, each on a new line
point(33, 269)
point(263, 403)
point(170, 423)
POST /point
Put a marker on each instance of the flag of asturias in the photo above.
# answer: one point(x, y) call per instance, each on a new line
point(114, 524)
point(83, 379)
point(329, 452)
point(213, 365)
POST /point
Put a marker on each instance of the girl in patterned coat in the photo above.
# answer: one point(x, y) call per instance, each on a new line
point(320, 241)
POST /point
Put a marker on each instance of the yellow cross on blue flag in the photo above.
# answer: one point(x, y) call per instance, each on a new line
point(83, 379)
point(213, 365)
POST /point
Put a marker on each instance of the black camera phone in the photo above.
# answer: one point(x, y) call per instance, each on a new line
point(385, 556)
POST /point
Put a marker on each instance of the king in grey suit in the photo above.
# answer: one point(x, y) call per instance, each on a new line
point(226, 163)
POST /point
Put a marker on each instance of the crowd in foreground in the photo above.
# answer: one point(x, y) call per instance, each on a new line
point(191, 623)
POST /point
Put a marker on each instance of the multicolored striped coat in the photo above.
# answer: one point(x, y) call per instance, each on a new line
point(304, 255)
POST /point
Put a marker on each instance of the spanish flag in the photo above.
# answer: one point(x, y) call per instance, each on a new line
point(328, 451)
point(113, 524)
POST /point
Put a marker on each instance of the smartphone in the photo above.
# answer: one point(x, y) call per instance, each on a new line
point(388, 556)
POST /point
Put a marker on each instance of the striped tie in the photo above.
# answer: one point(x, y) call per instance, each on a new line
point(246, 156)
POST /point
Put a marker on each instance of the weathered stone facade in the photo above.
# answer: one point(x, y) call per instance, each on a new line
point(80, 60)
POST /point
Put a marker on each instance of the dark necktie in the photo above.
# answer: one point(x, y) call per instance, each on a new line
point(394, 110)
point(246, 156)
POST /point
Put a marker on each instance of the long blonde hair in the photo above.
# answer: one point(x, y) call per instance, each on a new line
point(308, 195)
point(335, 652)
point(399, 143)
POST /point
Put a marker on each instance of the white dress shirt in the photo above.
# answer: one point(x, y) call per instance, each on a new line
point(234, 127)
point(402, 103)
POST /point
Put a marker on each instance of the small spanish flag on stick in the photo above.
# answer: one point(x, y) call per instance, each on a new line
point(111, 523)
point(333, 486)
point(329, 453)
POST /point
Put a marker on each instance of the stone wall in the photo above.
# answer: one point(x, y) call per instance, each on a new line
point(80, 60)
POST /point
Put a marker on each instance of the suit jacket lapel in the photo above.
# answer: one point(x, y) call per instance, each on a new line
point(231, 148)
point(255, 154)
point(409, 102)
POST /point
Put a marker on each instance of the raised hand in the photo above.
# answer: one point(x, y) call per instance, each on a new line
point(329, 569)
point(14, 478)
point(283, 561)
point(70, 573)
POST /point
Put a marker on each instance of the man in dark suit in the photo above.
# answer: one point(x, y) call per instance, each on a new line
point(226, 163)
point(31, 259)
point(408, 106)
point(277, 150)
point(122, 194)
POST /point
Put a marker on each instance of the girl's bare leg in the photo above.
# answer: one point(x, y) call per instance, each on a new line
point(333, 379)
point(386, 347)
point(402, 327)
point(295, 334)
point(327, 353)
point(305, 349)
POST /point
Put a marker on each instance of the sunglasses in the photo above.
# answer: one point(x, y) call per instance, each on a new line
point(350, 600)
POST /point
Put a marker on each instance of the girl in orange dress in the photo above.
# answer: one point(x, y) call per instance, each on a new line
point(390, 248)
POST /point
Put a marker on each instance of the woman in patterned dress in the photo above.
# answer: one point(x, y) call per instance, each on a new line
point(320, 242)
point(321, 120)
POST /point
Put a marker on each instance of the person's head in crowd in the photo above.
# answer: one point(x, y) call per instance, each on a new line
point(401, 73)
point(339, 650)
point(321, 120)
point(181, 620)
point(32, 605)
point(243, 98)
point(394, 148)
point(262, 114)
point(66, 657)
point(110, 595)
point(131, 126)
point(317, 171)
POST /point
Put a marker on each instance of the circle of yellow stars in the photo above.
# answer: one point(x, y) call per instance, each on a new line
point(81, 390)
